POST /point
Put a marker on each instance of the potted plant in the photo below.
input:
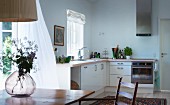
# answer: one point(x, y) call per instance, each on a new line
point(127, 52)
point(23, 58)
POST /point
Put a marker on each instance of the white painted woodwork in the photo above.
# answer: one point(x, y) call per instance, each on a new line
point(121, 63)
point(93, 76)
point(120, 69)
point(164, 54)
point(88, 77)
point(64, 76)
point(114, 79)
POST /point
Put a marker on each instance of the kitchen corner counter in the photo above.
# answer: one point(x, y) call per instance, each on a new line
point(80, 63)
point(69, 70)
point(91, 61)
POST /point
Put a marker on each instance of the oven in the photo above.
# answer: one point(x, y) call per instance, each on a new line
point(142, 72)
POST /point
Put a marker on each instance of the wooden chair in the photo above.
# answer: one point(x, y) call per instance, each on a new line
point(129, 96)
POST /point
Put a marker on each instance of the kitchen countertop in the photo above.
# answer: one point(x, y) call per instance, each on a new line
point(91, 61)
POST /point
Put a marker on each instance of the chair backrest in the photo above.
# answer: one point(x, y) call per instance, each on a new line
point(129, 96)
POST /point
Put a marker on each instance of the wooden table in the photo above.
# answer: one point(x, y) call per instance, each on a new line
point(45, 97)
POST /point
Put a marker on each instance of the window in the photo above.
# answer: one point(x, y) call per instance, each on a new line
point(7, 31)
point(75, 32)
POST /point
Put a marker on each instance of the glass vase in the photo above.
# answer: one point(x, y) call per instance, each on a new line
point(16, 85)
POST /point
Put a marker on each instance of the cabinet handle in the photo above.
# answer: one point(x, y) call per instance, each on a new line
point(85, 67)
point(95, 67)
point(121, 68)
point(120, 63)
point(102, 66)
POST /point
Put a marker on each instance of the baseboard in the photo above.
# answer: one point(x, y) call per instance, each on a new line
point(165, 91)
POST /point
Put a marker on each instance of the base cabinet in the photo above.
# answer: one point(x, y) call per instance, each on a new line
point(114, 79)
point(93, 76)
point(120, 69)
point(88, 77)
point(96, 75)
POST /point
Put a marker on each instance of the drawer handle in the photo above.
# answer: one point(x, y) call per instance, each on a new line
point(85, 67)
point(121, 68)
point(120, 63)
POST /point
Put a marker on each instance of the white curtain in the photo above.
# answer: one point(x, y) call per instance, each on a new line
point(75, 32)
point(74, 38)
point(46, 76)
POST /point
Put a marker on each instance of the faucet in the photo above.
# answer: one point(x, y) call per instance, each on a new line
point(79, 53)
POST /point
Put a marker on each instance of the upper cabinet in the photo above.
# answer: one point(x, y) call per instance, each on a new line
point(143, 18)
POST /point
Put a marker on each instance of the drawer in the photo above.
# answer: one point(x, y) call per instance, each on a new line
point(114, 79)
point(120, 63)
point(121, 70)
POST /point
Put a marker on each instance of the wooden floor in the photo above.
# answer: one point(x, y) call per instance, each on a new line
point(146, 95)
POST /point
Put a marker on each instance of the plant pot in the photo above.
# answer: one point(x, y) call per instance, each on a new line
point(16, 85)
point(127, 57)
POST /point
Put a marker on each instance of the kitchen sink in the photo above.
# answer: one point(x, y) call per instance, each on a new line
point(80, 60)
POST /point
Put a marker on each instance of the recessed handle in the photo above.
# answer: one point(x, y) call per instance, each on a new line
point(164, 53)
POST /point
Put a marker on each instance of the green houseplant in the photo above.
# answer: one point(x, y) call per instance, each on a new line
point(7, 46)
point(127, 52)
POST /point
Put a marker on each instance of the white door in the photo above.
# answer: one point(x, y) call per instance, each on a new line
point(165, 54)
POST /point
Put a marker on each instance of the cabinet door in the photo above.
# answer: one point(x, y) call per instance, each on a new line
point(93, 76)
point(114, 79)
point(88, 77)
point(102, 70)
point(100, 75)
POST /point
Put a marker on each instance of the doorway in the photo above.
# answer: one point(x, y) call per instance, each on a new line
point(165, 54)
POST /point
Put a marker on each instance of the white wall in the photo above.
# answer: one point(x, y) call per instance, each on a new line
point(54, 12)
point(117, 20)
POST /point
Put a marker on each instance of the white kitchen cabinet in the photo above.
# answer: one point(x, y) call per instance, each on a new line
point(88, 77)
point(114, 79)
point(101, 71)
point(120, 69)
point(93, 76)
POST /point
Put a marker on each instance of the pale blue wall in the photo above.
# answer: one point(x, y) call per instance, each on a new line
point(164, 7)
point(116, 19)
point(54, 12)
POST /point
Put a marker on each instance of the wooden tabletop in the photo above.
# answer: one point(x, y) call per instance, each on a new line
point(45, 97)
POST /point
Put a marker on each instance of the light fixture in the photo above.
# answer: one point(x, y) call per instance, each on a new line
point(18, 10)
